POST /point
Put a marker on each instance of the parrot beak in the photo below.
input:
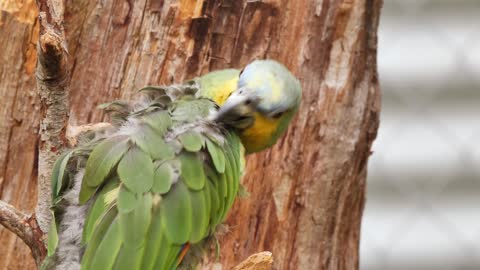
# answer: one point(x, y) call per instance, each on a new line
point(238, 110)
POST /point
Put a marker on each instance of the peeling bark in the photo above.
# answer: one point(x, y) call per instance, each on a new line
point(26, 227)
point(52, 84)
point(19, 122)
point(307, 193)
point(258, 261)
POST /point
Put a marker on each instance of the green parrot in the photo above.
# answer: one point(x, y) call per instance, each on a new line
point(154, 186)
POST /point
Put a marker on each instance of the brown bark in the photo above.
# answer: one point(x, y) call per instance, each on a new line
point(307, 193)
point(258, 261)
point(19, 121)
point(52, 86)
point(26, 228)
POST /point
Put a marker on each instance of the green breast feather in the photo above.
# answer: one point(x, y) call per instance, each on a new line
point(162, 177)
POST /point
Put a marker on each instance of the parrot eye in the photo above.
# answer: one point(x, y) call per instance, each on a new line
point(277, 115)
point(248, 102)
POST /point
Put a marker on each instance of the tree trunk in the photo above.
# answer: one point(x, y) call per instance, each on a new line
point(307, 193)
point(19, 121)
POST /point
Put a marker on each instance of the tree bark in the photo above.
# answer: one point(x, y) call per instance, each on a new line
point(52, 86)
point(307, 193)
point(19, 122)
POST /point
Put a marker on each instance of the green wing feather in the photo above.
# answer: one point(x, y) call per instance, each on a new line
point(59, 173)
point(102, 226)
point(154, 189)
point(192, 170)
point(135, 170)
point(108, 248)
point(163, 178)
point(99, 208)
point(176, 214)
point(52, 237)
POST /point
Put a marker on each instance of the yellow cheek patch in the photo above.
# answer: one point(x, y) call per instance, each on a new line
point(259, 135)
point(223, 91)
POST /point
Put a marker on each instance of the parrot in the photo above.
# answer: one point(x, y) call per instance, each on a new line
point(154, 186)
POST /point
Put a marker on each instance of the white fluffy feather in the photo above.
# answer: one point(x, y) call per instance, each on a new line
point(69, 249)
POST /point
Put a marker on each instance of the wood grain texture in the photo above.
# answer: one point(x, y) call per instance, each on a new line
point(53, 88)
point(19, 122)
point(26, 228)
point(307, 193)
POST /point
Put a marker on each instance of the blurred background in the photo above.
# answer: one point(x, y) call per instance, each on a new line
point(423, 196)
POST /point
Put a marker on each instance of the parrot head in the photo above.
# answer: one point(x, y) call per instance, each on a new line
point(266, 98)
